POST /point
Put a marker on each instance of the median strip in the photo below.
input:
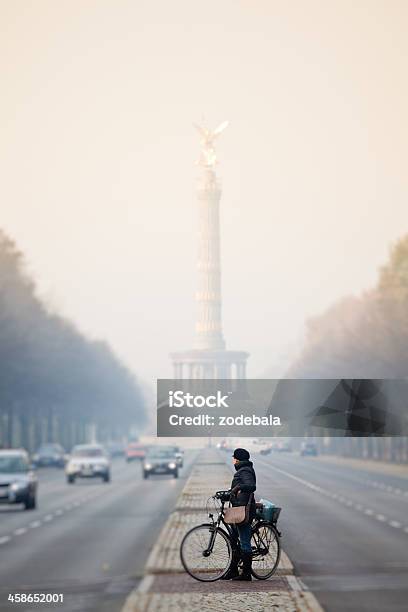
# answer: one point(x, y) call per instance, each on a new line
point(167, 588)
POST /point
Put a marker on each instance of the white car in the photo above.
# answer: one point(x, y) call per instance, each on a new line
point(88, 461)
point(258, 446)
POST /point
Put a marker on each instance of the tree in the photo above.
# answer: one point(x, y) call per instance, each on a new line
point(54, 382)
point(364, 337)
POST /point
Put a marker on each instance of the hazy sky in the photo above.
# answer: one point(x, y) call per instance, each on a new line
point(97, 156)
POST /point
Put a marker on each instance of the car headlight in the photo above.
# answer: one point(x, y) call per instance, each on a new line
point(18, 486)
point(148, 466)
point(172, 466)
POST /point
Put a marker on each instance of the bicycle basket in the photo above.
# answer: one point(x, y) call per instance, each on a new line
point(268, 511)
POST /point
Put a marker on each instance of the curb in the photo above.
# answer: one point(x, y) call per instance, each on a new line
point(159, 592)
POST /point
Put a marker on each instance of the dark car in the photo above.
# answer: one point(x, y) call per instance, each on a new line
point(283, 447)
point(18, 483)
point(308, 449)
point(160, 461)
point(177, 452)
point(49, 455)
point(222, 445)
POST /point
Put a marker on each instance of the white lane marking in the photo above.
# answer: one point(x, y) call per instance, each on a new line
point(48, 518)
point(368, 511)
point(306, 483)
point(383, 486)
point(145, 583)
point(4, 539)
point(20, 531)
point(35, 524)
point(387, 488)
point(375, 483)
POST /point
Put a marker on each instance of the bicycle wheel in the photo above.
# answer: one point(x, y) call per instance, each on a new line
point(206, 553)
point(265, 551)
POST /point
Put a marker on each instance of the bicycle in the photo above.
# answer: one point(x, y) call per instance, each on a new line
point(206, 550)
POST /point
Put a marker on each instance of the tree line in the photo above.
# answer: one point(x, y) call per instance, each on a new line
point(363, 337)
point(55, 384)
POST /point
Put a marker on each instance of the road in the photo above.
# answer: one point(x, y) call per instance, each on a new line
point(88, 541)
point(345, 530)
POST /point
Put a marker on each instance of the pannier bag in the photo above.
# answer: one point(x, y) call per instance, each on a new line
point(267, 511)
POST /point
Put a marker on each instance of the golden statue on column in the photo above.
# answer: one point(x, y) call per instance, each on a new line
point(208, 157)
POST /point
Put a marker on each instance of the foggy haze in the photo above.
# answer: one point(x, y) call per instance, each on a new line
point(98, 161)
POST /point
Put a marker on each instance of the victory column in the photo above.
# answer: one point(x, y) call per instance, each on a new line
point(209, 357)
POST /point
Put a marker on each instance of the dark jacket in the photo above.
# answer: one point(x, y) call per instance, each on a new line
point(243, 485)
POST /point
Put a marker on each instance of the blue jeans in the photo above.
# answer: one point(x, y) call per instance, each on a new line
point(243, 532)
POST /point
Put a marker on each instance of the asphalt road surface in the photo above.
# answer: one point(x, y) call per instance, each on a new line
point(89, 540)
point(345, 530)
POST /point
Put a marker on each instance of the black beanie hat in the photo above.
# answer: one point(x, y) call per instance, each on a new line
point(241, 454)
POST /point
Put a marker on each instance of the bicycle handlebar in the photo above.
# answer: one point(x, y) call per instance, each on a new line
point(223, 495)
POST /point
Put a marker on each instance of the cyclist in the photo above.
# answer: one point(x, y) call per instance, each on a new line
point(243, 486)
